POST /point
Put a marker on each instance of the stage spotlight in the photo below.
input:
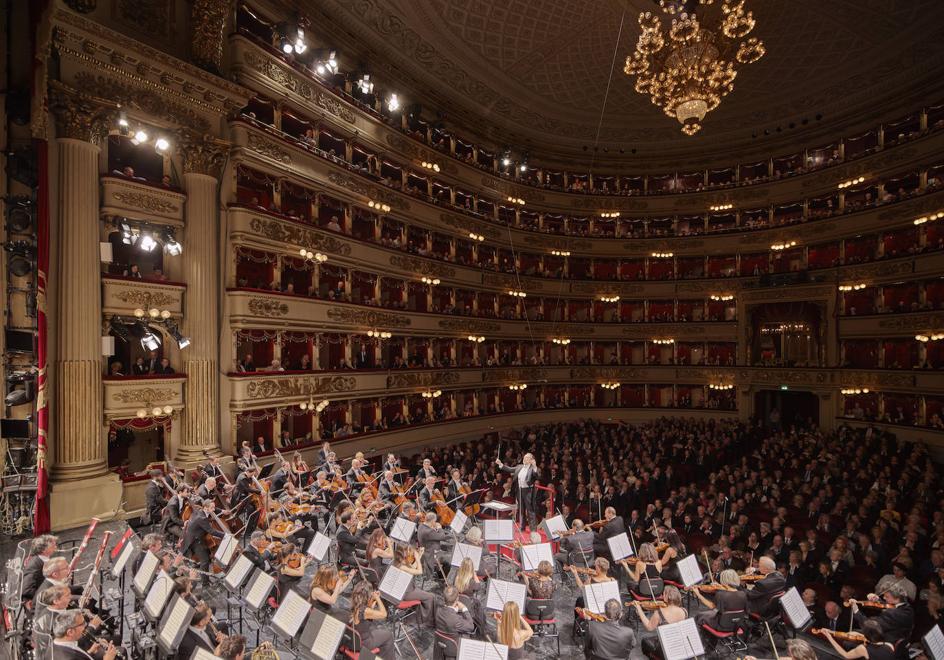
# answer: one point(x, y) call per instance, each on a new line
point(19, 214)
point(140, 137)
point(147, 242)
point(172, 247)
point(150, 341)
point(393, 103)
point(182, 341)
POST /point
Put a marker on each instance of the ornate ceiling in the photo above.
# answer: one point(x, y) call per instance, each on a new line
point(532, 74)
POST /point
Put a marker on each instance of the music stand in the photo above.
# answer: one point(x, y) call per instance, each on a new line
point(596, 595)
point(119, 564)
point(265, 471)
point(504, 591)
point(554, 526)
point(142, 579)
point(690, 571)
point(238, 573)
point(258, 589)
point(794, 609)
point(173, 625)
point(619, 546)
point(290, 616)
point(225, 550)
point(462, 550)
point(394, 584)
point(319, 547)
point(403, 530)
point(158, 596)
point(533, 554)
point(202, 654)
point(473, 649)
point(458, 522)
point(933, 643)
point(680, 641)
point(321, 637)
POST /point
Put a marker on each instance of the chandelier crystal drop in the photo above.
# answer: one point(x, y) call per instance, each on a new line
point(686, 64)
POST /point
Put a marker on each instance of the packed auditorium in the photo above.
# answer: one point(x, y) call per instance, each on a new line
point(472, 330)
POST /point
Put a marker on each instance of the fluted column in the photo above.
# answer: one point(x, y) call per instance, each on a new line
point(202, 159)
point(81, 450)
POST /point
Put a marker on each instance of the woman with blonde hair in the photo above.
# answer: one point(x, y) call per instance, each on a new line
point(513, 631)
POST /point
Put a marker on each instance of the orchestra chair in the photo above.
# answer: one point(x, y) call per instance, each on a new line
point(539, 613)
point(771, 615)
point(649, 589)
point(729, 633)
point(351, 644)
point(403, 611)
point(445, 647)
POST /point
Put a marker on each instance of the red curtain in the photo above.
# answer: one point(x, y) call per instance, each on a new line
point(41, 523)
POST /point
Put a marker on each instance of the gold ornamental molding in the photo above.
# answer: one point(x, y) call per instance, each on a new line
point(271, 388)
point(509, 189)
point(422, 266)
point(146, 202)
point(911, 209)
point(752, 194)
point(573, 329)
point(81, 115)
point(469, 326)
point(470, 225)
point(870, 164)
point(562, 243)
point(515, 374)
point(267, 307)
point(146, 299)
point(788, 293)
point(202, 153)
point(606, 373)
point(356, 185)
point(665, 245)
point(268, 148)
point(207, 25)
point(734, 284)
point(888, 269)
point(368, 317)
point(288, 233)
point(913, 322)
point(145, 395)
point(792, 376)
point(511, 282)
point(413, 150)
point(586, 202)
point(275, 72)
point(877, 380)
point(650, 330)
point(602, 288)
point(427, 379)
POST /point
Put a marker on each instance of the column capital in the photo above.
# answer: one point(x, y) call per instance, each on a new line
point(202, 154)
point(80, 116)
point(208, 22)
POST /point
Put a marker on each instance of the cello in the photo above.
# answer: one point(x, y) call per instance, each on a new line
point(443, 512)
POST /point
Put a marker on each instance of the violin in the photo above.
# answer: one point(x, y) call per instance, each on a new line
point(713, 588)
point(840, 635)
point(294, 560)
point(587, 614)
point(649, 604)
point(753, 577)
point(595, 524)
point(878, 605)
point(584, 571)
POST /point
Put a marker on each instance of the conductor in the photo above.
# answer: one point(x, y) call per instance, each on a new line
point(524, 475)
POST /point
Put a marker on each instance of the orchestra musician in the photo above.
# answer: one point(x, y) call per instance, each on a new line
point(540, 583)
point(150, 543)
point(327, 586)
point(728, 598)
point(469, 586)
point(198, 527)
point(425, 497)
point(173, 524)
point(426, 470)
point(410, 560)
point(154, 500)
point(673, 612)
point(648, 567)
point(453, 489)
point(523, 477)
point(614, 526)
point(513, 630)
point(355, 475)
point(323, 453)
point(68, 628)
point(347, 542)
point(453, 617)
point(51, 603)
point(291, 568)
point(41, 549)
point(281, 476)
point(430, 535)
point(387, 486)
point(212, 468)
point(897, 621)
point(576, 547)
point(875, 646)
point(233, 647)
point(599, 573)
point(379, 551)
point(392, 464)
point(207, 490)
point(608, 640)
point(760, 599)
point(257, 551)
point(300, 469)
point(366, 609)
point(244, 487)
point(197, 635)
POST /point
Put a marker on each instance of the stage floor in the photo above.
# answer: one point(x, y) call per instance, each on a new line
point(422, 636)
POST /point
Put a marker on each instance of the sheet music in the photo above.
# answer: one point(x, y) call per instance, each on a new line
point(329, 637)
point(403, 530)
point(934, 643)
point(319, 546)
point(158, 595)
point(501, 507)
point(201, 653)
point(458, 521)
point(596, 594)
point(237, 574)
point(534, 554)
point(620, 547)
point(473, 649)
point(291, 614)
point(262, 584)
point(224, 552)
point(395, 583)
point(794, 608)
point(555, 526)
point(122, 560)
point(681, 640)
point(145, 571)
point(463, 550)
point(503, 591)
point(174, 621)
point(690, 571)
point(500, 531)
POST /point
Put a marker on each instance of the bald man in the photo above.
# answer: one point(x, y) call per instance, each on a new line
point(760, 599)
point(523, 477)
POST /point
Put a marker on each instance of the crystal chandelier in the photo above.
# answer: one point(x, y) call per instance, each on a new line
point(687, 67)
